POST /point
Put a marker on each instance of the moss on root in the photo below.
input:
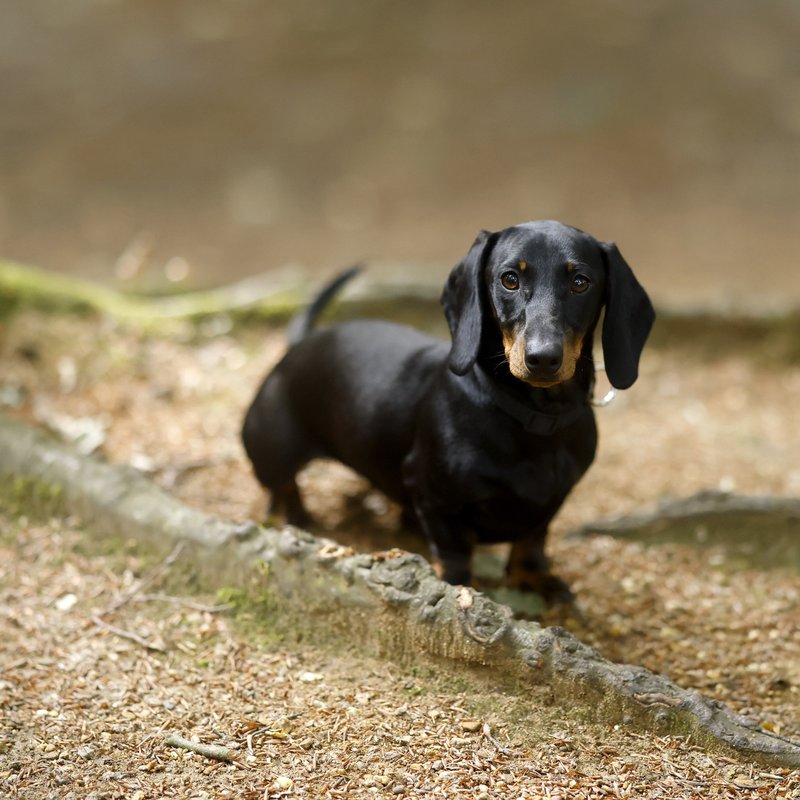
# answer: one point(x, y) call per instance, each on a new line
point(33, 498)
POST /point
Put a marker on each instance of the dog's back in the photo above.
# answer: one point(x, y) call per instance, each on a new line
point(348, 392)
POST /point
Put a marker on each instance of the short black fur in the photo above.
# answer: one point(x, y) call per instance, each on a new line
point(480, 441)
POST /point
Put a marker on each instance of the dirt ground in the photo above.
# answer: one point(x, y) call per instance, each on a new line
point(84, 710)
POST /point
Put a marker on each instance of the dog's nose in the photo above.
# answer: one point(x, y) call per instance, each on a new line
point(544, 359)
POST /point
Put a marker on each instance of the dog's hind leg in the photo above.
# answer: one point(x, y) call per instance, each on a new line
point(278, 447)
point(287, 502)
point(276, 468)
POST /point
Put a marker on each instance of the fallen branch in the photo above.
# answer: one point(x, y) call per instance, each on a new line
point(129, 635)
point(182, 601)
point(487, 732)
point(215, 751)
point(172, 475)
point(272, 294)
point(146, 581)
point(697, 508)
point(275, 295)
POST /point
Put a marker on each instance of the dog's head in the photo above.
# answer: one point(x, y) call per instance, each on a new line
point(542, 286)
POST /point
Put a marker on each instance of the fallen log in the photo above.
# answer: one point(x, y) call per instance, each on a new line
point(273, 295)
point(754, 530)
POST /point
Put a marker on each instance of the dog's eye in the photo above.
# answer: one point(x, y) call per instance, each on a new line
point(580, 283)
point(510, 281)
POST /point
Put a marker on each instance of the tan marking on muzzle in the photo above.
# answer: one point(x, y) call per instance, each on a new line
point(514, 347)
point(572, 352)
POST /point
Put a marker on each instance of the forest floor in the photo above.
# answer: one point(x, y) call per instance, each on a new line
point(85, 705)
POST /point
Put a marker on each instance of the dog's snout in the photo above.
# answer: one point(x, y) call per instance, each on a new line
point(544, 359)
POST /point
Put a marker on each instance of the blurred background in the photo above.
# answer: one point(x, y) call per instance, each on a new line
point(193, 142)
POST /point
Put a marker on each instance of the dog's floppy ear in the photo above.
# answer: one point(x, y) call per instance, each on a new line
point(628, 319)
point(462, 300)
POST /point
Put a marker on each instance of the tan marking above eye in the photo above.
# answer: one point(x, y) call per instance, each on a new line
point(523, 266)
point(570, 267)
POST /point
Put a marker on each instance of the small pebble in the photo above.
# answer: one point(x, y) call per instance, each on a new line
point(86, 751)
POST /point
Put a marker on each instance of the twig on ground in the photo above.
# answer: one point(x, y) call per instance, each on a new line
point(487, 732)
point(215, 751)
point(173, 474)
point(147, 580)
point(123, 634)
point(182, 601)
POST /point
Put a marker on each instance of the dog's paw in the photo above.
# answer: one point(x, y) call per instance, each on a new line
point(552, 589)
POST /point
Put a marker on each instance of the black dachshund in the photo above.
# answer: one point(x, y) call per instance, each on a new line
point(480, 441)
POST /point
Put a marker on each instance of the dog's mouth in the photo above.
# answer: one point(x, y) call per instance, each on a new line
point(540, 382)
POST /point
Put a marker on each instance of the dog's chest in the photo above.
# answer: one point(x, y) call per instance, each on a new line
point(525, 494)
point(536, 477)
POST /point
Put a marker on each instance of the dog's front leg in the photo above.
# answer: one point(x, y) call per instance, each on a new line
point(529, 570)
point(451, 545)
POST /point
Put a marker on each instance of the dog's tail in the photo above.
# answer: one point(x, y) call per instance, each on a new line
point(303, 322)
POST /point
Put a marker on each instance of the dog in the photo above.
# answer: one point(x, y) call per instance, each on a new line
point(482, 439)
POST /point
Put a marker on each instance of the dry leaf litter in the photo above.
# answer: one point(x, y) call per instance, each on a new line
point(97, 669)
